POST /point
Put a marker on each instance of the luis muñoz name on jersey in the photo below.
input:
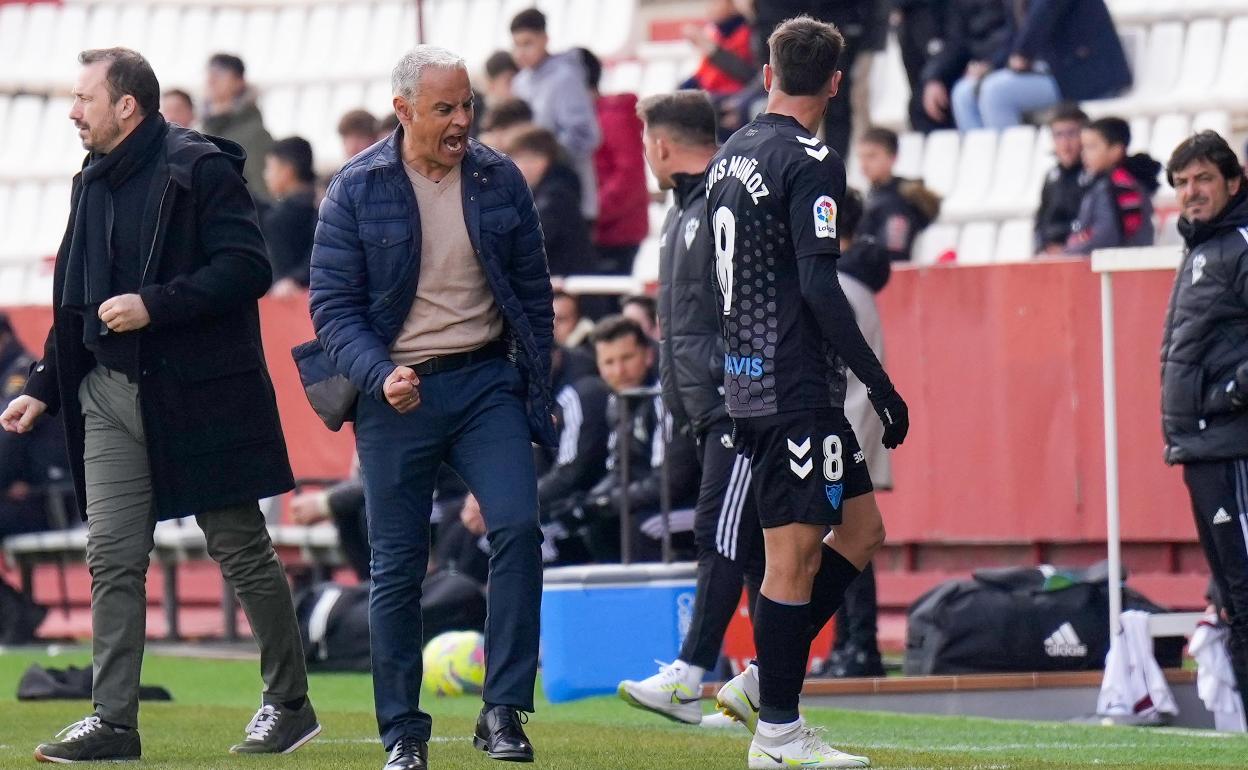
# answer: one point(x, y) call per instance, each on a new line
point(742, 168)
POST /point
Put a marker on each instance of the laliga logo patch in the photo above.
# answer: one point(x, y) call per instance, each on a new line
point(835, 491)
point(1198, 268)
point(691, 232)
point(825, 217)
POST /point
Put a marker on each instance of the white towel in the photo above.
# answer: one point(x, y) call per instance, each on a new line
point(1134, 684)
point(1215, 679)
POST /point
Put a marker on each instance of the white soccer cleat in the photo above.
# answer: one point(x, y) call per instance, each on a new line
point(801, 747)
point(719, 721)
point(669, 693)
point(738, 698)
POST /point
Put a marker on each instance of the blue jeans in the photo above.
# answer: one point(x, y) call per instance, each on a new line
point(474, 420)
point(999, 99)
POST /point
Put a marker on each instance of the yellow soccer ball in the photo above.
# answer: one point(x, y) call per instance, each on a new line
point(455, 663)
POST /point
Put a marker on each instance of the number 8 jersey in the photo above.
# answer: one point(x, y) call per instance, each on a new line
point(772, 195)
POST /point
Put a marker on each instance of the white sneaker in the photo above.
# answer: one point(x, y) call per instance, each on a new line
point(738, 698)
point(802, 747)
point(719, 721)
point(669, 693)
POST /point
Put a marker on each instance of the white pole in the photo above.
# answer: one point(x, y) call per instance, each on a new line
point(1111, 453)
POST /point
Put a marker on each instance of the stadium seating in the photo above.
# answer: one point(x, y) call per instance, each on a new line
point(1191, 62)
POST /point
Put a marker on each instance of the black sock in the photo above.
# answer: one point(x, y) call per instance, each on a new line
point(828, 592)
point(296, 704)
point(783, 645)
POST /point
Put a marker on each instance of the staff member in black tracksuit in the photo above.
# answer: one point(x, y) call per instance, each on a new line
point(1204, 369)
point(680, 141)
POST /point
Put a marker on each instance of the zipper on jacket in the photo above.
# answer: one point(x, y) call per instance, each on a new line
point(151, 252)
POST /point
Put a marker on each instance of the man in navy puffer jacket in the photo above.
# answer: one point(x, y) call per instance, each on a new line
point(430, 293)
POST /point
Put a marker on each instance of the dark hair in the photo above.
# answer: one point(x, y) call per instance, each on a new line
point(357, 122)
point(881, 137)
point(1112, 130)
point(614, 327)
point(645, 302)
point(228, 62)
point(128, 73)
point(296, 151)
point(498, 63)
point(593, 67)
point(5, 326)
point(388, 123)
point(178, 93)
point(688, 115)
point(804, 54)
point(1068, 112)
point(536, 140)
point(1206, 145)
point(530, 19)
point(849, 214)
point(507, 113)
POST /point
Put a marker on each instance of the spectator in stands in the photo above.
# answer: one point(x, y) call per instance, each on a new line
point(920, 36)
point(975, 41)
point(1204, 372)
point(554, 86)
point(1064, 184)
point(579, 464)
point(626, 362)
point(644, 310)
point(863, 270)
point(343, 504)
point(500, 71)
point(556, 191)
point(148, 437)
point(1117, 208)
point(178, 107)
point(620, 168)
point(1061, 51)
point(573, 353)
point(725, 43)
point(358, 131)
point(504, 120)
point(854, 19)
point(387, 126)
point(289, 223)
point(233, 113)
point(32, 465)
point(897, 209)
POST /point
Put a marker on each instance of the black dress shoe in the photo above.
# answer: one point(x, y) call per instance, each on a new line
point(500, 735)
point(408, 754)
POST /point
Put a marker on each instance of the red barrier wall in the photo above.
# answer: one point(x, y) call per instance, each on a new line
point(1001, 367)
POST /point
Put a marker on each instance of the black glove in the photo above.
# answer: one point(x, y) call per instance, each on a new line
point(893, 413)
point(741, 439)
point(1237, 388)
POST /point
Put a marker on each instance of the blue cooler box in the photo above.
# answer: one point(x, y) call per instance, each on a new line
point(604, 623)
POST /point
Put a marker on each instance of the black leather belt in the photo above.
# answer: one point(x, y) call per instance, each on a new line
point(495, 349)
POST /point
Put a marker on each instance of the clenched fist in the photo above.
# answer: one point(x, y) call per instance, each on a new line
point(124, 313)
point(21, 413)
point(402, 389)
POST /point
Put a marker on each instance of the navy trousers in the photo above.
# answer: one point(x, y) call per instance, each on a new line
point(474, 420)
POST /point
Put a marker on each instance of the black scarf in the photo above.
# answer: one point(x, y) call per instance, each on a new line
point(89, 269)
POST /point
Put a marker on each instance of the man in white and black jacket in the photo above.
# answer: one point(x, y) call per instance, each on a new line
point(680, 141)
point(1204, 368)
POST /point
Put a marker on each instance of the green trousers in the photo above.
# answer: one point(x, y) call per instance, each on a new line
point(120, 522)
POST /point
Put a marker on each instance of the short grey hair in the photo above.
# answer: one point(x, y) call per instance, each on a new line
point(405, 78)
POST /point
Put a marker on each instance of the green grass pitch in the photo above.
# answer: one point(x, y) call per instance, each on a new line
point(214, 700)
